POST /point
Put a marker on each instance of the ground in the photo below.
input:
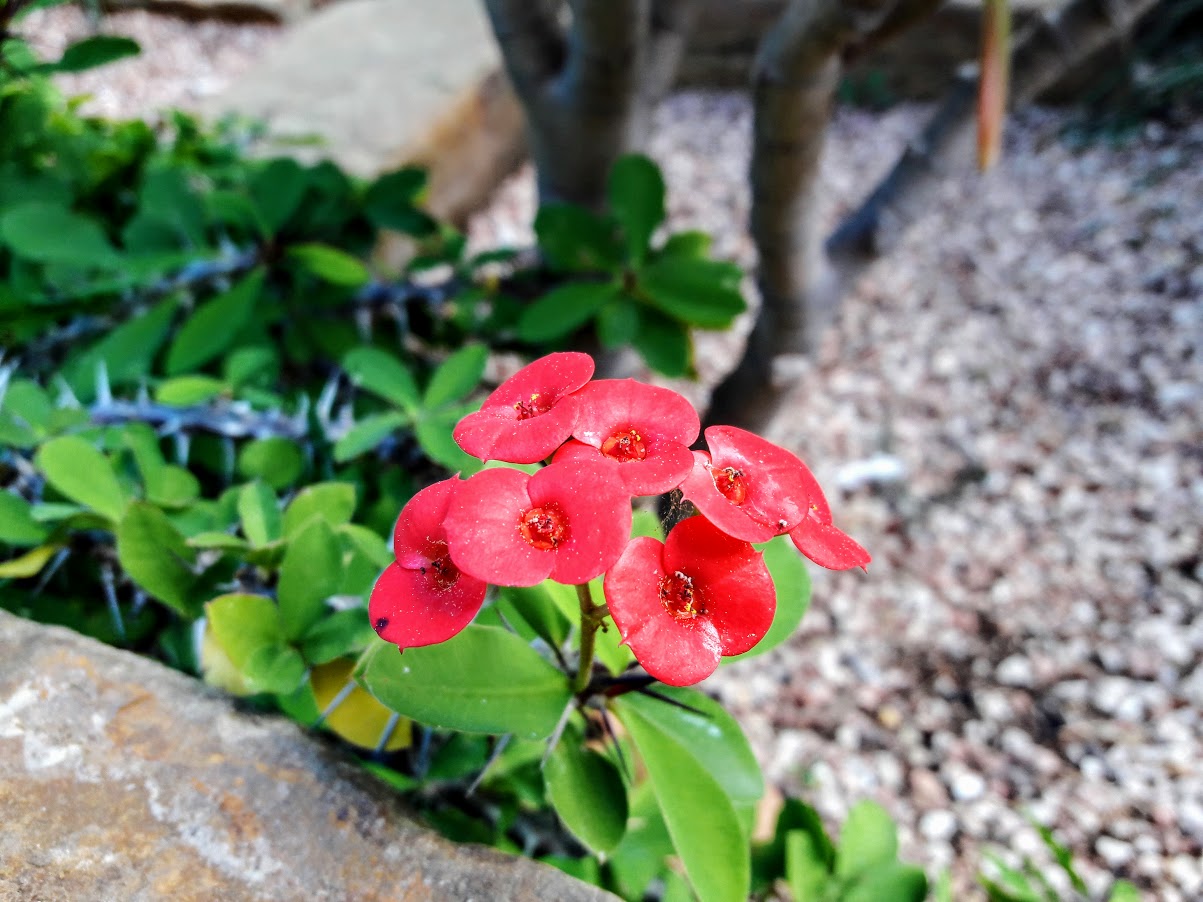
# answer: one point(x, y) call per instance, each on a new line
point(1024, 371)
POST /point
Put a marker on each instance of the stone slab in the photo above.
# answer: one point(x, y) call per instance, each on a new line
point(390, 82)
point(123, 780)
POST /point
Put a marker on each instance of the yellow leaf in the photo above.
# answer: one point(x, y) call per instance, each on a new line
point(359, 718)
point(28, 564)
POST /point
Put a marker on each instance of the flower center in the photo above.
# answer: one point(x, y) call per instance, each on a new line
point(731, 484)
point(679, 597)
point(442, 572)
point(625, 446)
point(543, 527)
point(531, 408)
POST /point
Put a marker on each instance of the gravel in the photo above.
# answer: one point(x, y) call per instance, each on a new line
point(1007, 414)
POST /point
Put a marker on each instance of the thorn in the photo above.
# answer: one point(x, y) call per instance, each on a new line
point(143, 396)
point(422, 765)
point(66, 397)
point(608, 726)
point(363, 323)
point(57, 561)
point(140, 599)
point(498, 748)
point(389, 729)
point(558, 732)
point(104, 391)
point(325, 400)
point(334, 703)
point(672, 701)
point(110, 596)
point(227, 458)
point(183, 442)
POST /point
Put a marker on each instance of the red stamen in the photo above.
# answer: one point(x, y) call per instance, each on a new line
point(730, 483)
point(543, 527)
point(625, 446)
point(679, 597)
point(532, 408)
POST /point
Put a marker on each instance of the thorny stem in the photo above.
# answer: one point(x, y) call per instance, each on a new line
point(592, 616)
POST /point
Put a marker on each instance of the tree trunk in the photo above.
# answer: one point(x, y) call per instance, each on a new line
point(589, 89)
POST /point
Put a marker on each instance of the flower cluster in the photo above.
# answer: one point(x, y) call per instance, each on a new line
point(680, 604)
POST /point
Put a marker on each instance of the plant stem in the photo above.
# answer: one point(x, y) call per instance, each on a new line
point(592, 616)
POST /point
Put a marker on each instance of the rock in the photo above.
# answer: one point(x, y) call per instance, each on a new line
point(122, 779)
point(386, 84)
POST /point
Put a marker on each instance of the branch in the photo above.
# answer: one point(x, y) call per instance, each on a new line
point(671, 25)
point(904, 14)
point(601, 78)
point(531, 40)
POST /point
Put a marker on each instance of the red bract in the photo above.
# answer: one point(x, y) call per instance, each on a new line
point(682, 604)
point(750, 488)
point(569, 521)
point(645, 429)
point(423, 598)
point(530, 414)
point(823, 543)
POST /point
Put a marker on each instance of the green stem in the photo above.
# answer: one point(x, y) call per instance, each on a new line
point(592, 616)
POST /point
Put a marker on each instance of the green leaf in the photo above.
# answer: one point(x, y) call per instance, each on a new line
point(574, 240)
point(212, 326)
point(805, 870)
point(892, 882)
point(714, 739)
point(647, 523)
point(645, 846)
point(126, 352)
point(535, 607)
point(154, 554)
point(391, 203)
point(367, 434)
point(278, 669)
point(1062, 855)
point(341, 634)
point(868, 839)
point(277, 461)
point(485, 680)
point(702, 822)
point(81, 473)
point(703, 293)
point(221, 540)
point(276, 191)
point(690, 245)
point(636, 193)
point(309, 574)
point(185, 391)
point(435, 432)
point(255, 364)
point(456, 376)
point(334, 502)
point(664, 344)
point(1123, 891)
point(383, 375)
point(793, 595)
point(98, 50)
point(617, 323)
point(48, 233)
point(259, 513)
point(563, 310)
point(17, 525)
point(330, 264)
point(587, 792)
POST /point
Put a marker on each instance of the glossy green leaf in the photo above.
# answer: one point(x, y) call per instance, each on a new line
point(185, 391)
point(617, 323)
point(792, 581)
point(636, 194)
point(456, 376)
point(714, 739)
point(664, 344)
point(703, 293)
point(309, 574)
point(645, 846)
point(250, 365)
point(126, 352)
point(535, 607)
point(274, 668)
point(690, 245)
point(891, 882)
point(214, 325)
point(383, 375)
point(333, 502)
point(154, 554)
point(563, 310)
point(485, 680)
point(98, 50)
point(243, 624)
point(367, 434)
point(435, 435)
point(391, 203)
point(868, 839)
point(702, 822)
point(221, 540)
point(1123, 891)
point(276, 192)
point(277, 461)
point(81, 473)
point(17, 525)
point(805, 871)
point(330, 264)
point(259, 513)
point(341, 634)
point(49, 233)
point(587, 792)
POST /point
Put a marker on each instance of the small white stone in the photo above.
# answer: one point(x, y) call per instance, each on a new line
point(938, 826)
point(1015, 670)
point(968, 786)
point(1116, 853)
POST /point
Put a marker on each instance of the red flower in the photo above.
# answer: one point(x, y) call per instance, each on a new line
point(750, 488)
point(646, 429)
point(530, 414)
point(569, 521)
point(682, 604)
point(823, 543)
point(423, 598)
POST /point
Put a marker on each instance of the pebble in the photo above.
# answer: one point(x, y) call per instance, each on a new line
point(939, 825)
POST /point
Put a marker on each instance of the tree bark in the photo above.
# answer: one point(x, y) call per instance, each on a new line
point(588, 89)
